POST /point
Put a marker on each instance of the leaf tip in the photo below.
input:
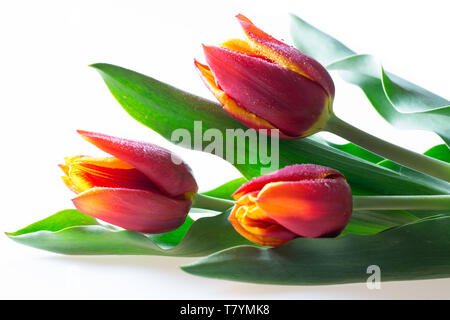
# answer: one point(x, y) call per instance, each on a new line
point(98, 65)
point(294, 17)
point(188, 268)
point(9, 234)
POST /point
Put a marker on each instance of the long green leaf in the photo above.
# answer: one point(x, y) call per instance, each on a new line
point(166, 109)
point(226, 190)
point(440, 152)
point(400, 102)
point(373, 222)
point(71, 232)
point(317, 43)
point(60, 220)
point(353, 149)
point(415, 251)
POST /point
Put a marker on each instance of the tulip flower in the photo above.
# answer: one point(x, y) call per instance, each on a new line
point(267, 84)
point(140, 188)
point(296, 201)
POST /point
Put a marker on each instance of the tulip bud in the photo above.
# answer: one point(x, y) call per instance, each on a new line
point(139, 189)
point(267, 84)
point(296, 201)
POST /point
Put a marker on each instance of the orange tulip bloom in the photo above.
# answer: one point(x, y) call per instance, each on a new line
point(297, 201)
point(267, 84)
point(140, 189)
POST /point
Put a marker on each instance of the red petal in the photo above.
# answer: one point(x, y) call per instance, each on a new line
point(296, 172)
point(154, 161)
point(113, 178)
point(247, 118)
point(287, 55)
point(276, 94)
point(309, 208)
point(136, 210)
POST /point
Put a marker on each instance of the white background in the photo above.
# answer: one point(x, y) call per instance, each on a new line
point(48, 91)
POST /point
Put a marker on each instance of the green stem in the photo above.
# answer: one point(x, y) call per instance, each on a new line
point(407, 158)
point(435, 202)
point(438, 202)
point(207, 202)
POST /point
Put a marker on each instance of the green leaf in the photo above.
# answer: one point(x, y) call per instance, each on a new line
point(353, 149)
point(316, 43)
point(162, 106)
point(60, 220)
point(171, 239)
point(71, 232)
point(412, 252)
point(358, 151)
point(373, 222)
point(440, 152)
point(226, 190)
point(400, 102)
point(166, 109)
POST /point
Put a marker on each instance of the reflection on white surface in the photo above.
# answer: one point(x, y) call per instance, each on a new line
point(32, 274)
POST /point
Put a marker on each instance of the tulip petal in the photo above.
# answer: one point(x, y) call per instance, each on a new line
point(309, 208)
point(158, 164)
point(292, 102)
point(291, 173)
point(286, 55)
point(84, 176)
point(104, 162)
point(247, 118)
point(263, 233)
point(239, 45)
point(136, 210)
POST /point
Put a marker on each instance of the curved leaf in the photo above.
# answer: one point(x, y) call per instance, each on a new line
point(60, 220)
point(166, 109)
point(400, 102)
point(440, 152)
point(316, 43)
point(415, 251)
point(71, 232)
point(353, 149)
point(226, 190)
point(372, 222)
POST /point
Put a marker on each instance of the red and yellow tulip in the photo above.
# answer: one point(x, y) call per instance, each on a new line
point(141, 188)
point(267, 84)
point(296, 201)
